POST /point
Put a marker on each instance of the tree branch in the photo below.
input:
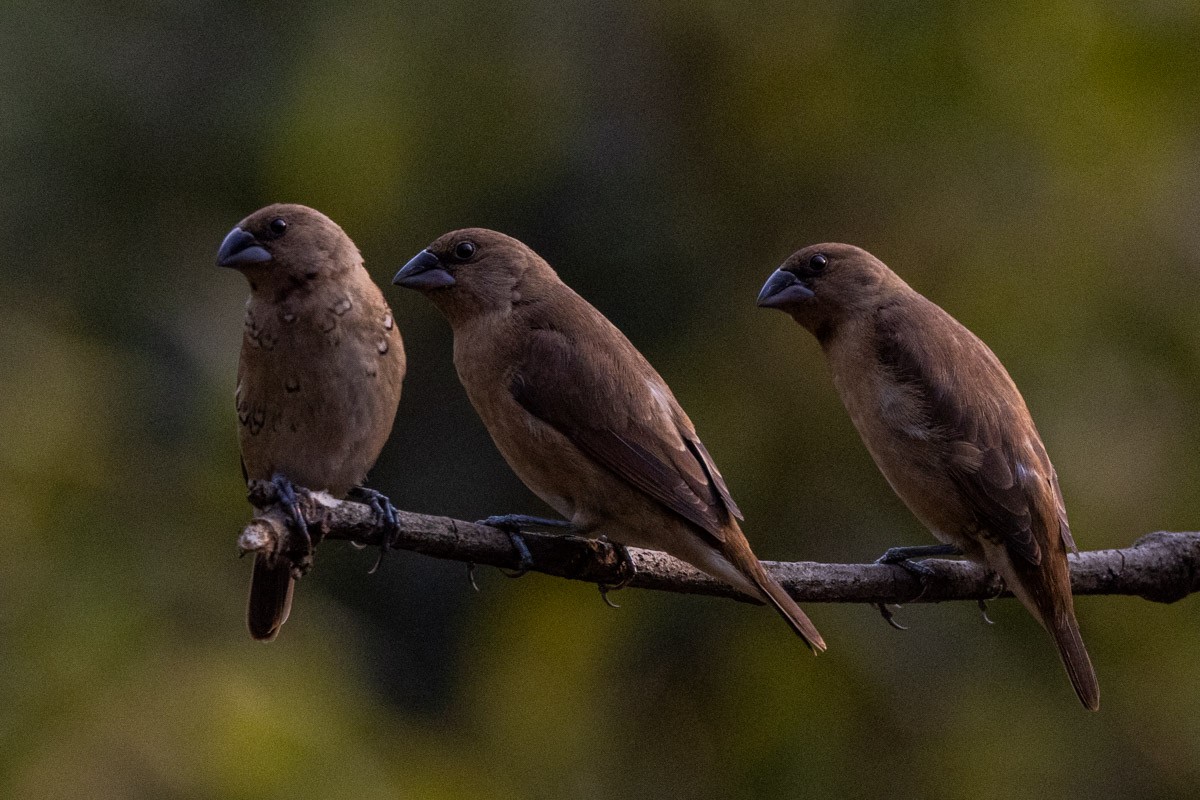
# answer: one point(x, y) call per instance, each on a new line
point(1163, 567)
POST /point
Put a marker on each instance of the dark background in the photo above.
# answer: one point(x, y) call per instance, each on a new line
point(1034, 169)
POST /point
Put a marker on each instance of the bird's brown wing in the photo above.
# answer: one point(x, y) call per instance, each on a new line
point(974, 412)
point(611, 405)
point(1064, 527)
point(710, 469)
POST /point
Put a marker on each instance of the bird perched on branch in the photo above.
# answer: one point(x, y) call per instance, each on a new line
point(581, 416)
point(319, 378)
point(946, 426)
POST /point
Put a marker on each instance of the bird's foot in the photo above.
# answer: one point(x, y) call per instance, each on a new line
point(625, 568)
point(903, 557)
point(983, 603)
point(385, 519)
point(524, 557)
point(288, 495)
point(512, 525)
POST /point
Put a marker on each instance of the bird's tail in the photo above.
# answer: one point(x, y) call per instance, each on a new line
point(1074, 655)
point(787, 608)
point(270, 599)
point(737, 550)
point(1045, 590)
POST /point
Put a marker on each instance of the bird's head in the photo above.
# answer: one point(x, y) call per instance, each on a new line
point(823, 284)
point(473, 272)
point(285, 247)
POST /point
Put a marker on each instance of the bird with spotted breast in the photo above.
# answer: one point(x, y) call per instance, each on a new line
point(947, 427)
point(581, 416)
point(319, 377)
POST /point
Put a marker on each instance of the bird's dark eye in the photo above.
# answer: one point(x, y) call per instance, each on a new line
point(818, 262)
point(464, 250)
point(278, 226)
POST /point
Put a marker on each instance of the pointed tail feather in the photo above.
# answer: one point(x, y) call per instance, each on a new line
point(778, 597)
point(1045, 590)
point(737, 550)
point(1065, 631)
point(270, 599)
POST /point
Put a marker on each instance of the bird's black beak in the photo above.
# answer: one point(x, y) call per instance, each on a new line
point(241, 249)
point(782, 289)
point(424, 271)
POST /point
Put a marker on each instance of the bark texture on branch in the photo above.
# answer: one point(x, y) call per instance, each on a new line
point(1163, 567)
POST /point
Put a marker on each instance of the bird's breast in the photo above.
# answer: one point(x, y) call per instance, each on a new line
point(318, 389)
point(890, 418)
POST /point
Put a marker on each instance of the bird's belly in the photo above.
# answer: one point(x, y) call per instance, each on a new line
point(912, 464)
point(550, 468)
point(548, 463)
point(319, 421)
point(597, 502)
point(930, 496)
point(334, 458)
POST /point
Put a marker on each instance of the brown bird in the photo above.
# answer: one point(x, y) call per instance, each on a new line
point(319, 378)
point(946, 426)
point(581, 416)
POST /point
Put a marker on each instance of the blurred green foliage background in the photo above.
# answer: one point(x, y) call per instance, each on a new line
point(1033, 167)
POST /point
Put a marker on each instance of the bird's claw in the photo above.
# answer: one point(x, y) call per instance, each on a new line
point(512, 525)
point(904, 558)
point(625, 567)
point(385, 518)
point(983, 603)
point(889, 617)
point(604, 590)
point(892, 555)
point(524, 557)
point(288, 495)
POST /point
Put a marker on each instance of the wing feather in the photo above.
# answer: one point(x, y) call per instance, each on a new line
point(625, 419)
point(976, 414)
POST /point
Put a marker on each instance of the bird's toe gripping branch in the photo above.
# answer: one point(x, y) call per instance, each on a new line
point(904, 558)
point(283, 530)
point(629, 571)
point(625, 568)
point(512, 525)
point(385, 518)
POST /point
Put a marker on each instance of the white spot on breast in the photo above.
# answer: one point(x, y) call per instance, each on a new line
point(387, 322)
